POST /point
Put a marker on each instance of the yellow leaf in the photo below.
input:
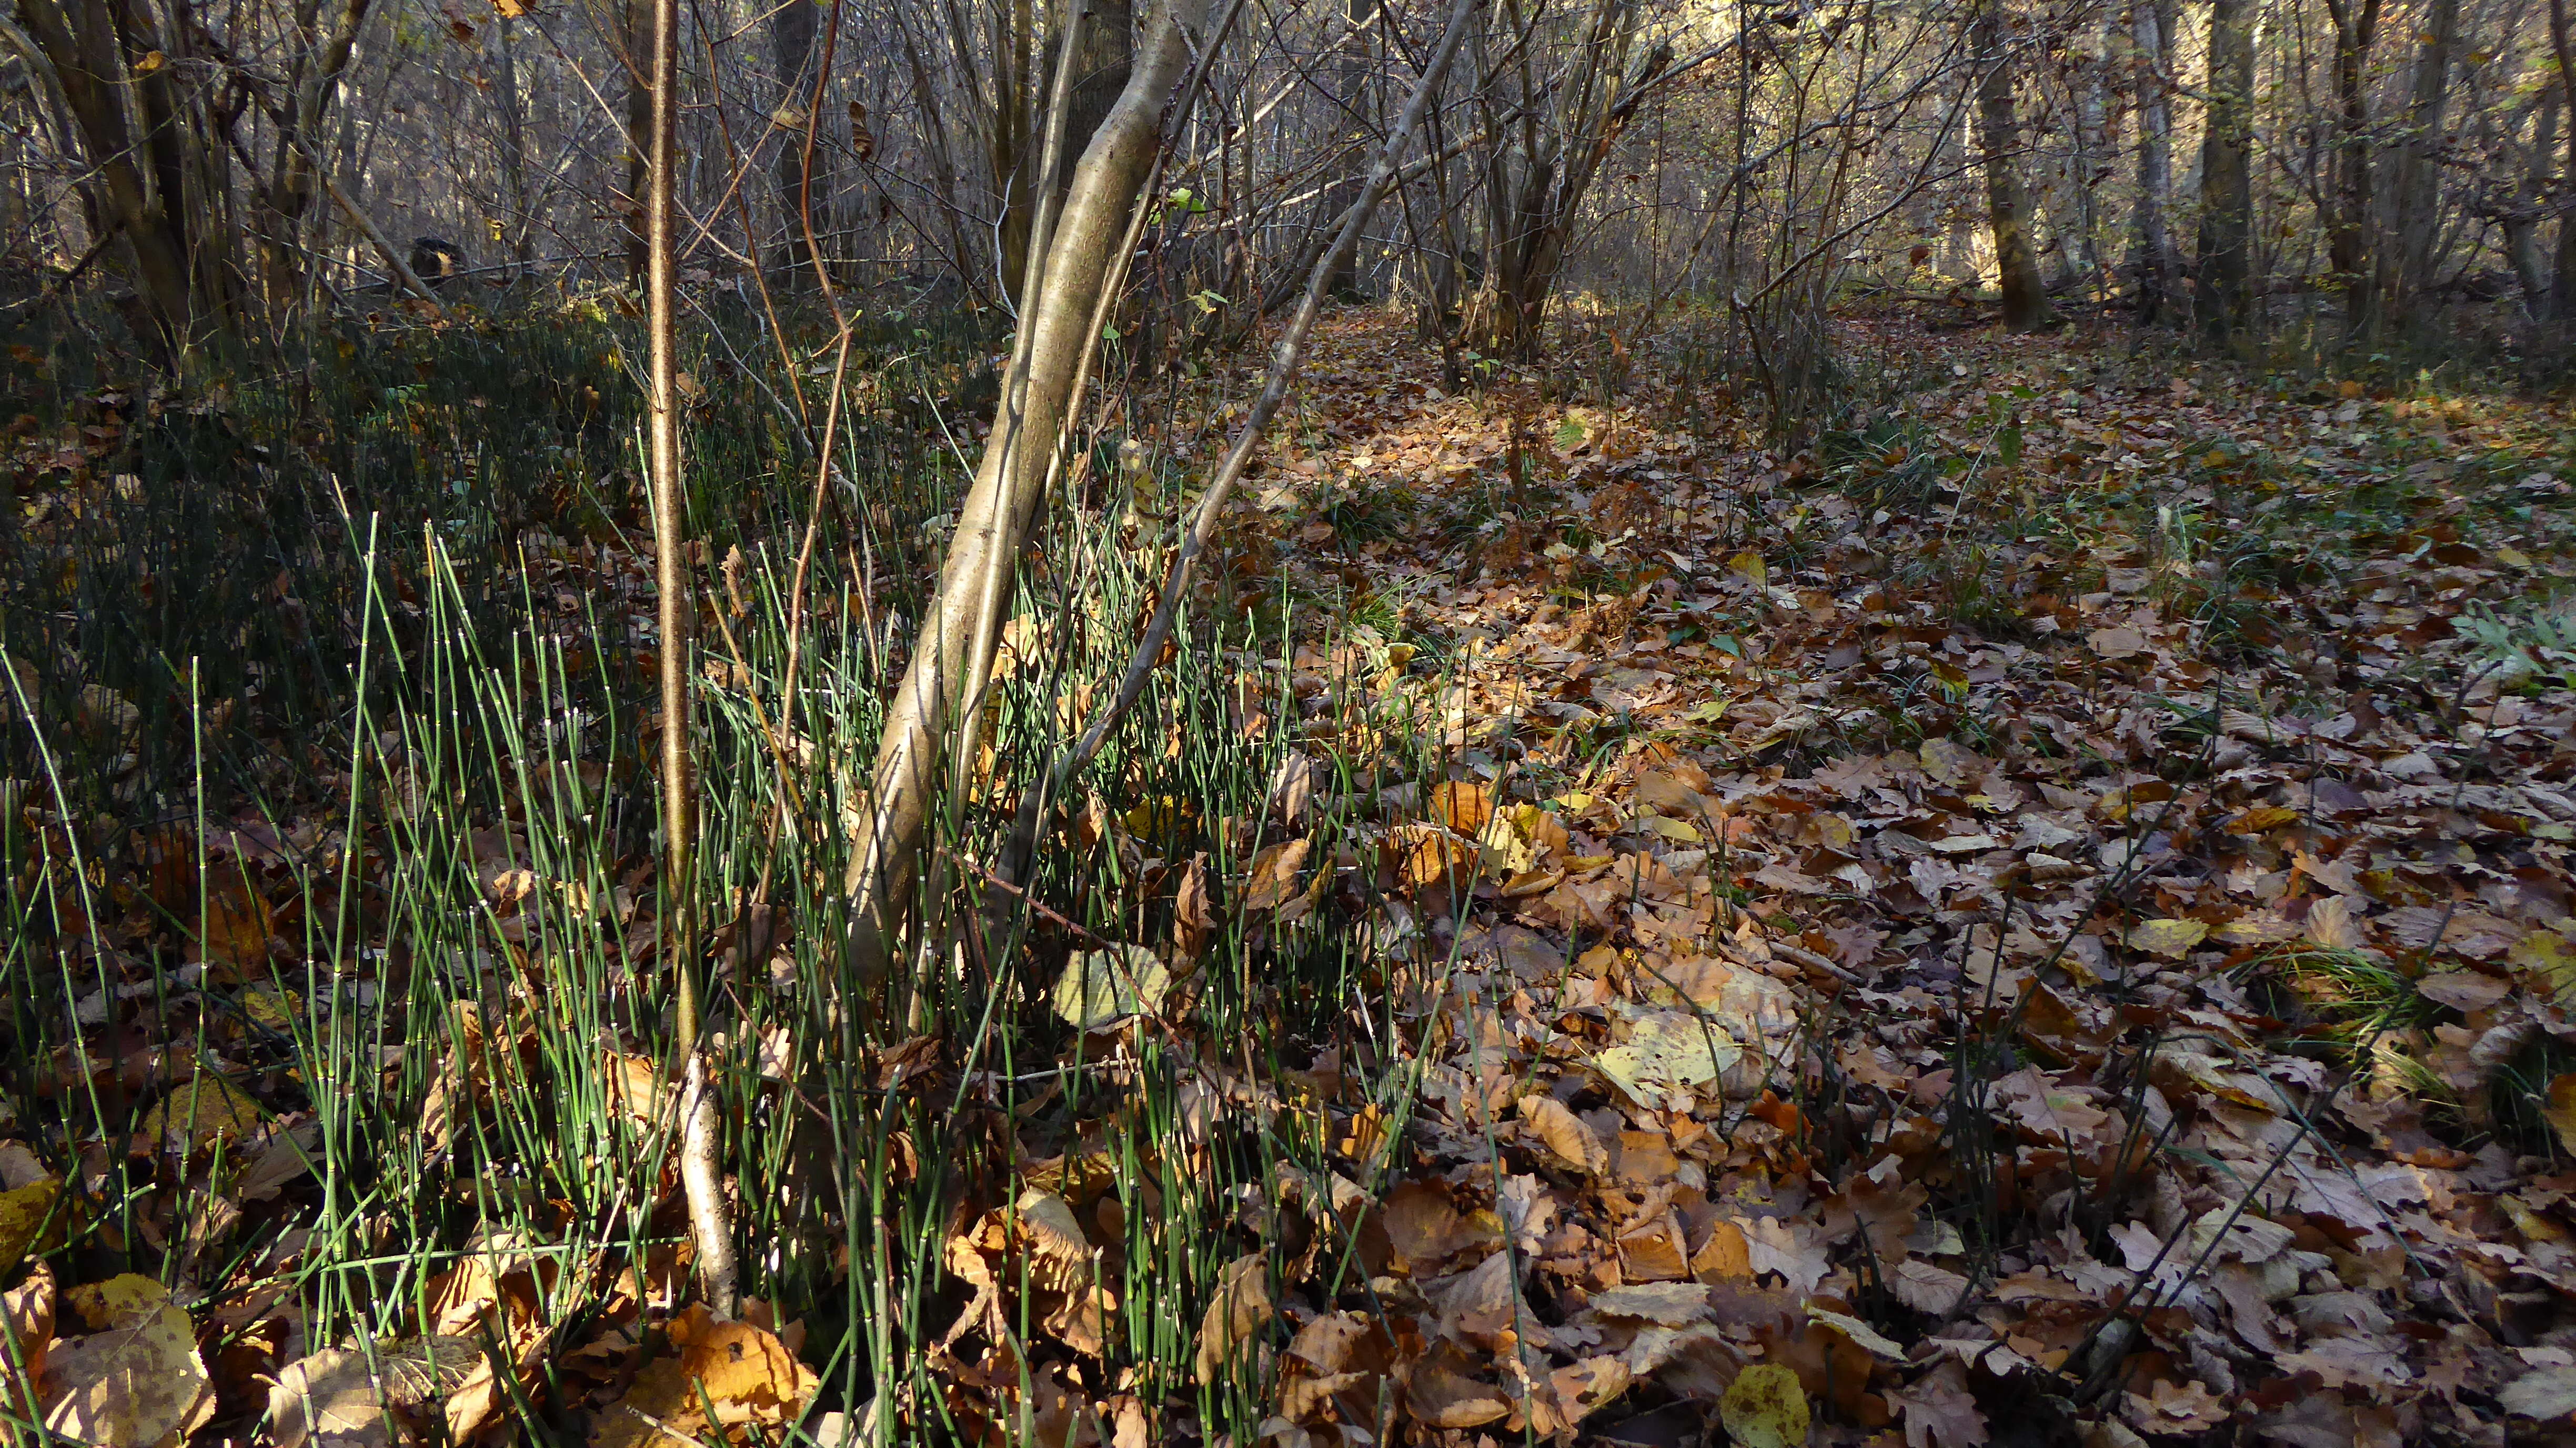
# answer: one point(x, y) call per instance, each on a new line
point(2548, 956)
point(133, 1386)
point(26, 1215)
point(1765, 1408)
point(199, 1112)
point(119, 1301)
point(2172, 939)
point(1102, 987)
point(1749, 564)
point(1667, 1049)
point(1681, 831)
point(150, 63)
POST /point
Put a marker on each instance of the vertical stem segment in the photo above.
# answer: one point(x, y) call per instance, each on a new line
point(700, 1140)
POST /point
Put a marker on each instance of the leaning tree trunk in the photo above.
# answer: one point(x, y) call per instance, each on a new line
point(2227, 176)
point(2007, 201)
point(2151, 23)
point(964, 619)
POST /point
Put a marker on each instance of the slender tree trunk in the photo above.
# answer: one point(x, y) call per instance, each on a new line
point(1357, 64)
point(2562, 302)
point(2408, 272)
point(2348, 218)
point(640, 36)
point(804, 196)
point(2530, 204)
point(2150, 23)
point(519, 231)
point(2227, 176)
point(314, 79)
point(2025, 297)
point(710, 1229)
point(955, 645)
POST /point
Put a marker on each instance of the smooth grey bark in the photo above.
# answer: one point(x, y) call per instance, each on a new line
point(954, 651)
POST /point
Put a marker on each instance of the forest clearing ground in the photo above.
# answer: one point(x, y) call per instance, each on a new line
point(2082, 836)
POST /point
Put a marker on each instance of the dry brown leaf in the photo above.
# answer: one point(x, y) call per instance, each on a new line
point(1194, 922)
point(1441, 1394)
point(339, 1398)
point(27, 1319)
point(1463, 805)
point(1563, 1133)
point(1236, 1316)
point(1273, 880)
point(745, 1372)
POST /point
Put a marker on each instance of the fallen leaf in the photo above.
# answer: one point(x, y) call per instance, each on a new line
point(136, 1382)
point(1100, 988)
point(1765, 1408)
point(2171, 939)
point(1235, 1316)
point(1564, 1134)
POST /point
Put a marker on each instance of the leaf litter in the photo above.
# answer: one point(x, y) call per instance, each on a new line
point(1908, 940)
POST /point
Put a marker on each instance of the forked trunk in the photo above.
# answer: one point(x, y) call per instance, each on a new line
point(964, 619)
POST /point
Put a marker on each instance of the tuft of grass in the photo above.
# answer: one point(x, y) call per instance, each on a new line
point(424, 696)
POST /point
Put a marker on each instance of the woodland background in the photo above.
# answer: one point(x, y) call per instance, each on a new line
point(1300, 725)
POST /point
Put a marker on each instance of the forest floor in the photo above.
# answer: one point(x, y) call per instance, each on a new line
point(2046, 915)
point(2042, 915)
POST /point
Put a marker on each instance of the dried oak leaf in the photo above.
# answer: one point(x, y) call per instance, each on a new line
point(1938, 1410)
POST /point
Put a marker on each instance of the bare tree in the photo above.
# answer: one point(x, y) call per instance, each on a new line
point(2025, 297)
point(2151, 24)
point(2225, 263)
point(1070, 263)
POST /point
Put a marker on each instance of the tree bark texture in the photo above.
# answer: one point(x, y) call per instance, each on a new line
point(2225, 262)
point(2025, 296)
point(995, 518)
